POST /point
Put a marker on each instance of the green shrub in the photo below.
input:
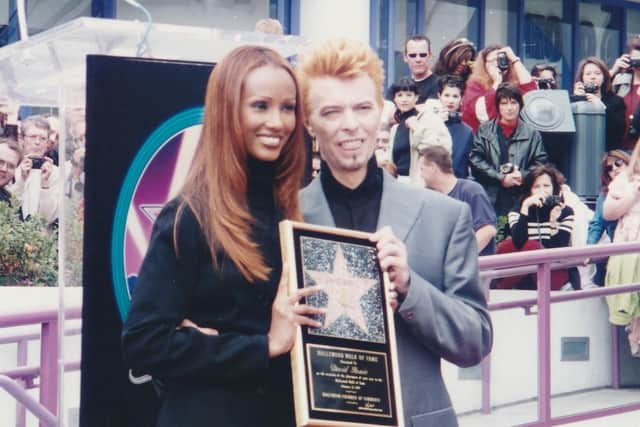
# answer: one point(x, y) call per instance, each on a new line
point(28, 250)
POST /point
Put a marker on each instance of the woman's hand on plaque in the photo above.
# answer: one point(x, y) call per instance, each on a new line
point(287, 313)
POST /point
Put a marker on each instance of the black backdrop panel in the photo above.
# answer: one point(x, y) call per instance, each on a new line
point(127, 100)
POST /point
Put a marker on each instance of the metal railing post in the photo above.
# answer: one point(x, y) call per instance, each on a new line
point(485, 365)
point(544, 343)
point(21, 412)
point(615, 358)
point(48, 366)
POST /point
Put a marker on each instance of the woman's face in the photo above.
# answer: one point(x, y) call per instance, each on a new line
point(615, 167)
point(268, 114)
point(542, 186)
point(405, 100)
point(592, 74)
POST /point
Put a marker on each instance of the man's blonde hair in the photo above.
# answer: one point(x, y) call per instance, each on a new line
point(340, 58)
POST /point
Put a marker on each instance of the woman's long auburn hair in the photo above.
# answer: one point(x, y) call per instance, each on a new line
point(216, 187)
point(479, 73)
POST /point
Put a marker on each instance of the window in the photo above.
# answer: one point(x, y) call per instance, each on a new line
point(599, 33)
point(499, 18)
point(448, 20)
point(547, 37)
point(224, 14)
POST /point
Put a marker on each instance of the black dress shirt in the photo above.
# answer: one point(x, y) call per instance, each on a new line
point(356, 209)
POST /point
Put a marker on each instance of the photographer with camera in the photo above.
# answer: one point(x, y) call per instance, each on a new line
point(450, 93)
point(36, 180)
point(626, 83)
point(542, 221)
point(545, 76)
point(494, 65)
point(593, 84)
point(504, 149)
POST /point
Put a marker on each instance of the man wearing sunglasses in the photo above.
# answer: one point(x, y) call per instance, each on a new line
point(417, 55)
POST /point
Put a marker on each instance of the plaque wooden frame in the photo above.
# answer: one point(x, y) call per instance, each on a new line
point(364, 355)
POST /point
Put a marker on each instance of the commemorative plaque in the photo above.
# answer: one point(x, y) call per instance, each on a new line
point(345, 373)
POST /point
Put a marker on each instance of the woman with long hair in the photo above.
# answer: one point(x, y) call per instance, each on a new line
point(494, 65)
point(613, 164)
point(456, 59)
point(593, 83)
point(623, 204)
point(209, 316)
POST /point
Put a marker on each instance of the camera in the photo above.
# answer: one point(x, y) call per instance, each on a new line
point(591, 88)
point(36, 162)
point(545, 84)
point(507, 168)
point(455, 116)
point(503, 61)
point(634, 63)
point(552, 200)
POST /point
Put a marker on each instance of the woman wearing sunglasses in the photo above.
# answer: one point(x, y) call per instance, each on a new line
point(494, 65)
point(613, 163)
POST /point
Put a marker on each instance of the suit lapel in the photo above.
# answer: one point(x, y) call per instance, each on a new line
point(315, 205)
point(398, 207)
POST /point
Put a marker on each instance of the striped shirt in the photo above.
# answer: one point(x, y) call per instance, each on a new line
point(536, 226)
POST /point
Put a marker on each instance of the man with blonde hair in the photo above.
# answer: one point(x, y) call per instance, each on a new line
point(424, 239)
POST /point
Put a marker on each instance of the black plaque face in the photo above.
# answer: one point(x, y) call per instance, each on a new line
point(345, 372)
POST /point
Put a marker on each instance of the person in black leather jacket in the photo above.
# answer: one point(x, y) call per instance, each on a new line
point(504, 149)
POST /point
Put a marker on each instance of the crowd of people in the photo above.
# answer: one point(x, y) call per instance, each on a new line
point(479, 97)
point(30, 173)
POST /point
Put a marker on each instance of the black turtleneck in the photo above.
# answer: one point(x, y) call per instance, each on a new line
point(401, 143)
point(261, 201)
point(357, 209)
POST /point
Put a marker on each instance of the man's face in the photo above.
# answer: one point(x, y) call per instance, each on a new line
point(509, 109)
point(344, 116)
point(35, 142)
point(427, 172)
point(382, 139)
point(8, 163)
point(417, 57)
point(450, 98)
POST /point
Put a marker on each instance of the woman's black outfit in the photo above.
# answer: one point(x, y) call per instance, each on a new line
point(226, 380)
point(615, 117)
point(401, 151)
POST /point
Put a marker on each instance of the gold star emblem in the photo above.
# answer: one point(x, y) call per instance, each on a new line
point(344, 292)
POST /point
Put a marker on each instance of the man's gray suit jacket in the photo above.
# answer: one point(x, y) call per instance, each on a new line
point(444, 314)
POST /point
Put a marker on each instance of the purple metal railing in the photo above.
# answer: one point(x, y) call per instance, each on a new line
point(16, 381)
point(546, 260)
point(46, 417)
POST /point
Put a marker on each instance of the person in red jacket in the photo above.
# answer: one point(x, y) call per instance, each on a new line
point(494, 65)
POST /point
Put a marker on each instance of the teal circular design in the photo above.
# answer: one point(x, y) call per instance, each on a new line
point(150, 147)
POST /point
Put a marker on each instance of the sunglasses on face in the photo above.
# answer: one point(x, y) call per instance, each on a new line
point(421, 55)
point(618, 164)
